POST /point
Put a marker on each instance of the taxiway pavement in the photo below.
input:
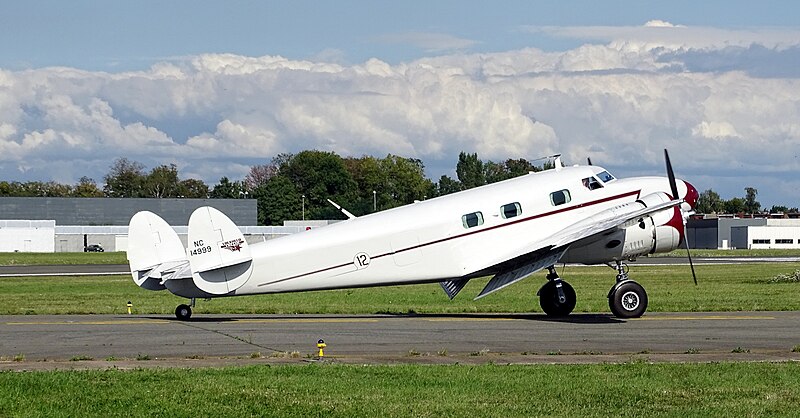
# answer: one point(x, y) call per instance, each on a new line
point(64, 337)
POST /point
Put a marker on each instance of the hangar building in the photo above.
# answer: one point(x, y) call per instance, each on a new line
point(744, 233)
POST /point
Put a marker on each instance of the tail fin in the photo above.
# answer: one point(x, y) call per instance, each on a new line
point(218, 253)
point(155, 252)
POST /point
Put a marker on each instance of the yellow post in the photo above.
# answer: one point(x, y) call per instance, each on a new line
point(130, 305)
point(321, 344)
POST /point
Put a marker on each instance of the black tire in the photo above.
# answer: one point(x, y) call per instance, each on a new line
point(628, 300)
point(548, 299)
point(183, 312)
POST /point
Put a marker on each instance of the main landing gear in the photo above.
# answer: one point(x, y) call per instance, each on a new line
point(556, 297)
point(627, 299)
point(184, 312)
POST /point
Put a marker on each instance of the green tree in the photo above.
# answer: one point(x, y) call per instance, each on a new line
point(161, 182)
point(405, 180)
point(735, 205)
point(86, 187)
point(192, 189)
point(320, 176)
point(469, 170)
point(751, 205)
point(227, 189)
point(447, 185)
point(709, 202)
point(125, 179)
point(370, 184)
point(278, 200)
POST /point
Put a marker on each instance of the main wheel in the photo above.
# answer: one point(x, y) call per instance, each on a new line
point(548, 299)
point(183, 312)
point(628, 300)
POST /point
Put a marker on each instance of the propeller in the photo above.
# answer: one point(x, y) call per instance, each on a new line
point(589, 160)
point(674, 188)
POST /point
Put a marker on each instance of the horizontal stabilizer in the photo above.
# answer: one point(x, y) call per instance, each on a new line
point(504, 279)
point(218, 253)
point(153, 250)
point(452, 287)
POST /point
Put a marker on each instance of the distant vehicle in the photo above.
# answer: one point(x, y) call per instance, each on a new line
point(93, 248)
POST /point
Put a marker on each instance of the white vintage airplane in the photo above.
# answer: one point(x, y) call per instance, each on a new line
point(507, 230)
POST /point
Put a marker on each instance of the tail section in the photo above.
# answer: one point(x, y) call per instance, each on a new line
point(155, 252)
point(218, 253)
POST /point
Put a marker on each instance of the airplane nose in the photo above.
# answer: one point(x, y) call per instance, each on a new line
point(691, 195)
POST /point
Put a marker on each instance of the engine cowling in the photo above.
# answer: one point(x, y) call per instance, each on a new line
point(657, 232)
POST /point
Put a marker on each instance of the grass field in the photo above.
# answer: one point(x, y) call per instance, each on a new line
point(742, 287)
point(634, 389)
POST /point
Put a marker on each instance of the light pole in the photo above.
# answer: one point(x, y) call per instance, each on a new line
point(374, 201)
point(304, 207)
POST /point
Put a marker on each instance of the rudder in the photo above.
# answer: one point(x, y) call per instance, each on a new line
point(154, 251)
point(218, 253)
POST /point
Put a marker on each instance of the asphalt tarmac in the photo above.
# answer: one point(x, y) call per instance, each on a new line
point(44, 341)
point(407, 338)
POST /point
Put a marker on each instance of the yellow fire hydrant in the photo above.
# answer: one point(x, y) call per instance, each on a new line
point(130, 305)
point(321, 344)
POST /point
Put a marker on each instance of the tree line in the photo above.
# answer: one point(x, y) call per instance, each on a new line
point(291, 186)
point(709, 201)
point(295, 186)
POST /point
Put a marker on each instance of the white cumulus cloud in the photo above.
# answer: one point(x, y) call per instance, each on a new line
point(646, 88)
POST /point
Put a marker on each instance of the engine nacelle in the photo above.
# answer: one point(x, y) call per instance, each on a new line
point(657, 232)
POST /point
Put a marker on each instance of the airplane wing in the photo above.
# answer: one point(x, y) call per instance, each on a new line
point(546, 252)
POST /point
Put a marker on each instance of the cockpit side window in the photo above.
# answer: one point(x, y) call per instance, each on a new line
point(591, 183)
point(605, 177)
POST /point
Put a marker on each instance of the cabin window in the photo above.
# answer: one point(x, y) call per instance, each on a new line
point(605, 177)
point(471, 220)
point(511, 210)
point(591, 183)
point(560, 197)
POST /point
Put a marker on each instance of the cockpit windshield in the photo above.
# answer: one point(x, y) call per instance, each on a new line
point(605, 177)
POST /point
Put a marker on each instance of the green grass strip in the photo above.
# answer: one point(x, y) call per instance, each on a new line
point(624, 390)
point(744, 287)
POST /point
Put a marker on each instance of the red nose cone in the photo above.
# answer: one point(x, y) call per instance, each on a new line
point(691, 195)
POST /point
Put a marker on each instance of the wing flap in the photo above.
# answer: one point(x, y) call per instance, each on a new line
point(519, 272)
point(452, 287)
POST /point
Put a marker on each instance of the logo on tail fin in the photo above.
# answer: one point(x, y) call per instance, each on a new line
point(233, 245)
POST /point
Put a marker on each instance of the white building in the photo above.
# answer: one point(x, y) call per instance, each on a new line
point(777, 233)
point(27, 236)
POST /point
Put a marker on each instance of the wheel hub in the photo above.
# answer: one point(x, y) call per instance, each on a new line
point(630, 301)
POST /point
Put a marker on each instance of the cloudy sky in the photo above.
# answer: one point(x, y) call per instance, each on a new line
point(216, 87)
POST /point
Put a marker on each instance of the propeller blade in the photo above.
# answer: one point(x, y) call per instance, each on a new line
point(671, 175)
point(689, 255)
point(589, 160)
point(674, 188)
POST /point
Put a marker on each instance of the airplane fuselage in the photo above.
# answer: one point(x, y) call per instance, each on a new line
point(431, 241)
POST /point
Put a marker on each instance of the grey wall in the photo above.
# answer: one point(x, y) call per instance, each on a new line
point(118, 211)
point(702, 233)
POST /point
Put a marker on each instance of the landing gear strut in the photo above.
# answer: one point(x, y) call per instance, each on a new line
point(627, 299)
point(184, 312)
point(556, 297)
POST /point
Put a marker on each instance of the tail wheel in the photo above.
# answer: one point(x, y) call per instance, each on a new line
point(628, 300)
point(183, 312)
point(550, 303)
